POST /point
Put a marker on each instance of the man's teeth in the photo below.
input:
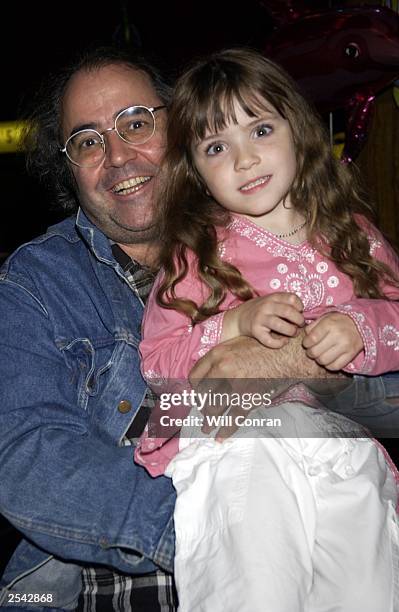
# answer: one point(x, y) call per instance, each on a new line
point(131, 185)
point(259, 181)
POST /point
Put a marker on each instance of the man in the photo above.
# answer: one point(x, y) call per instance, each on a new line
point(97, 529)
point(72, 393)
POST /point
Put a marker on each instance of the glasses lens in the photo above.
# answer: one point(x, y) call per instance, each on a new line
point(85, 148)
point(135, 125)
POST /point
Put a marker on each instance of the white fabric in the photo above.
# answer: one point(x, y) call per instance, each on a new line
point(285, 524)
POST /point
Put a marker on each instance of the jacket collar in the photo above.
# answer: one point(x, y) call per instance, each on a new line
point(98, 242)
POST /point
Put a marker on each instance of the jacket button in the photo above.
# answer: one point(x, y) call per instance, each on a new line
point(124, 406)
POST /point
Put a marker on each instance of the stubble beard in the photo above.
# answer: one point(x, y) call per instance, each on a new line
point(126, 235)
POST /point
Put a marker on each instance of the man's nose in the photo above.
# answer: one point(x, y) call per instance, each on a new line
point(117, 151)
point(245, 157)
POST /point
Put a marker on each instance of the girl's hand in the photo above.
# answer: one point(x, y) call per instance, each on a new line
point(271, 319)
point(332, 341)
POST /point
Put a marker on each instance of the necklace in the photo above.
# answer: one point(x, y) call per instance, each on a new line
point(292, 232)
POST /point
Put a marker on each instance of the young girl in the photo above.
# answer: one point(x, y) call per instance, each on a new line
point(266, 232)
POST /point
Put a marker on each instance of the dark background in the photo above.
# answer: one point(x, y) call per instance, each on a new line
point(36, 40)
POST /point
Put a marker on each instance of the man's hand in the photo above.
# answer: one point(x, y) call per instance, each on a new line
point(333, 341)
point(245, 357)
point(230, 366)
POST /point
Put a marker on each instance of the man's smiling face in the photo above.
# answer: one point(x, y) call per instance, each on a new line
point(118, 195)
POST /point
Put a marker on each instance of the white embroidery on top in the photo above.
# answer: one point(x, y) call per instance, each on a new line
point(369, 341)
point(156, 378)
point(333, 281)
point(322, 267)
point(210, 336)
point(222, 250)
point(310, 289)
point(389, 336)
point(264, 239)
point(374, 244)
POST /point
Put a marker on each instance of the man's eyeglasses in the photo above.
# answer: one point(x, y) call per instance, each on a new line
point(134, 125)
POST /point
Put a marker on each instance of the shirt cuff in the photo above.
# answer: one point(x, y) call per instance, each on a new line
point(212, 331)
point(364, 362)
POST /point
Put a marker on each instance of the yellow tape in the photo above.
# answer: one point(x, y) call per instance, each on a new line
point(338, 144)
point(10, 136)
point(337, 150)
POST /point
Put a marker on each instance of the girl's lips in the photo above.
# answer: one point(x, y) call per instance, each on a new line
point(256, 184)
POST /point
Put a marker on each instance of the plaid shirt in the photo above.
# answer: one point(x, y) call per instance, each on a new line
point(104, 589)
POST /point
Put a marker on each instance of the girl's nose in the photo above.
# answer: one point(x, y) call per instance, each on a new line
point(245, 158)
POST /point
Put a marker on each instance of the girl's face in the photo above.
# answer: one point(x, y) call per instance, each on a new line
point(249, 166)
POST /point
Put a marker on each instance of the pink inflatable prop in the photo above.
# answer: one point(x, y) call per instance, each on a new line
point(341, 58)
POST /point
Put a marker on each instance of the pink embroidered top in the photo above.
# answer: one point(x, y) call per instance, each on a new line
point(171, 345)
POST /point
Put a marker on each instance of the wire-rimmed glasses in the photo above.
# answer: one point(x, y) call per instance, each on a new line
point(134, 125)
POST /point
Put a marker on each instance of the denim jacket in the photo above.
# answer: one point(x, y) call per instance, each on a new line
point(69, 332)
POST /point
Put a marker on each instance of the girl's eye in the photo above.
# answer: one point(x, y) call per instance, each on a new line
point(214, 149)
point(263, 130)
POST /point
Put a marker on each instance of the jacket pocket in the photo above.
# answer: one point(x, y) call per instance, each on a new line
point(88, 362)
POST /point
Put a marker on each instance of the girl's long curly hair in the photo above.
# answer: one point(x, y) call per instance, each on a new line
point(325, 191)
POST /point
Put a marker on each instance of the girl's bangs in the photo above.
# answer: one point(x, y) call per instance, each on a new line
point(216, 110)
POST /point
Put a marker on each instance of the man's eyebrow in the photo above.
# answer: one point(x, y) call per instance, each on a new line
point(83, 126)
point(94, 126)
